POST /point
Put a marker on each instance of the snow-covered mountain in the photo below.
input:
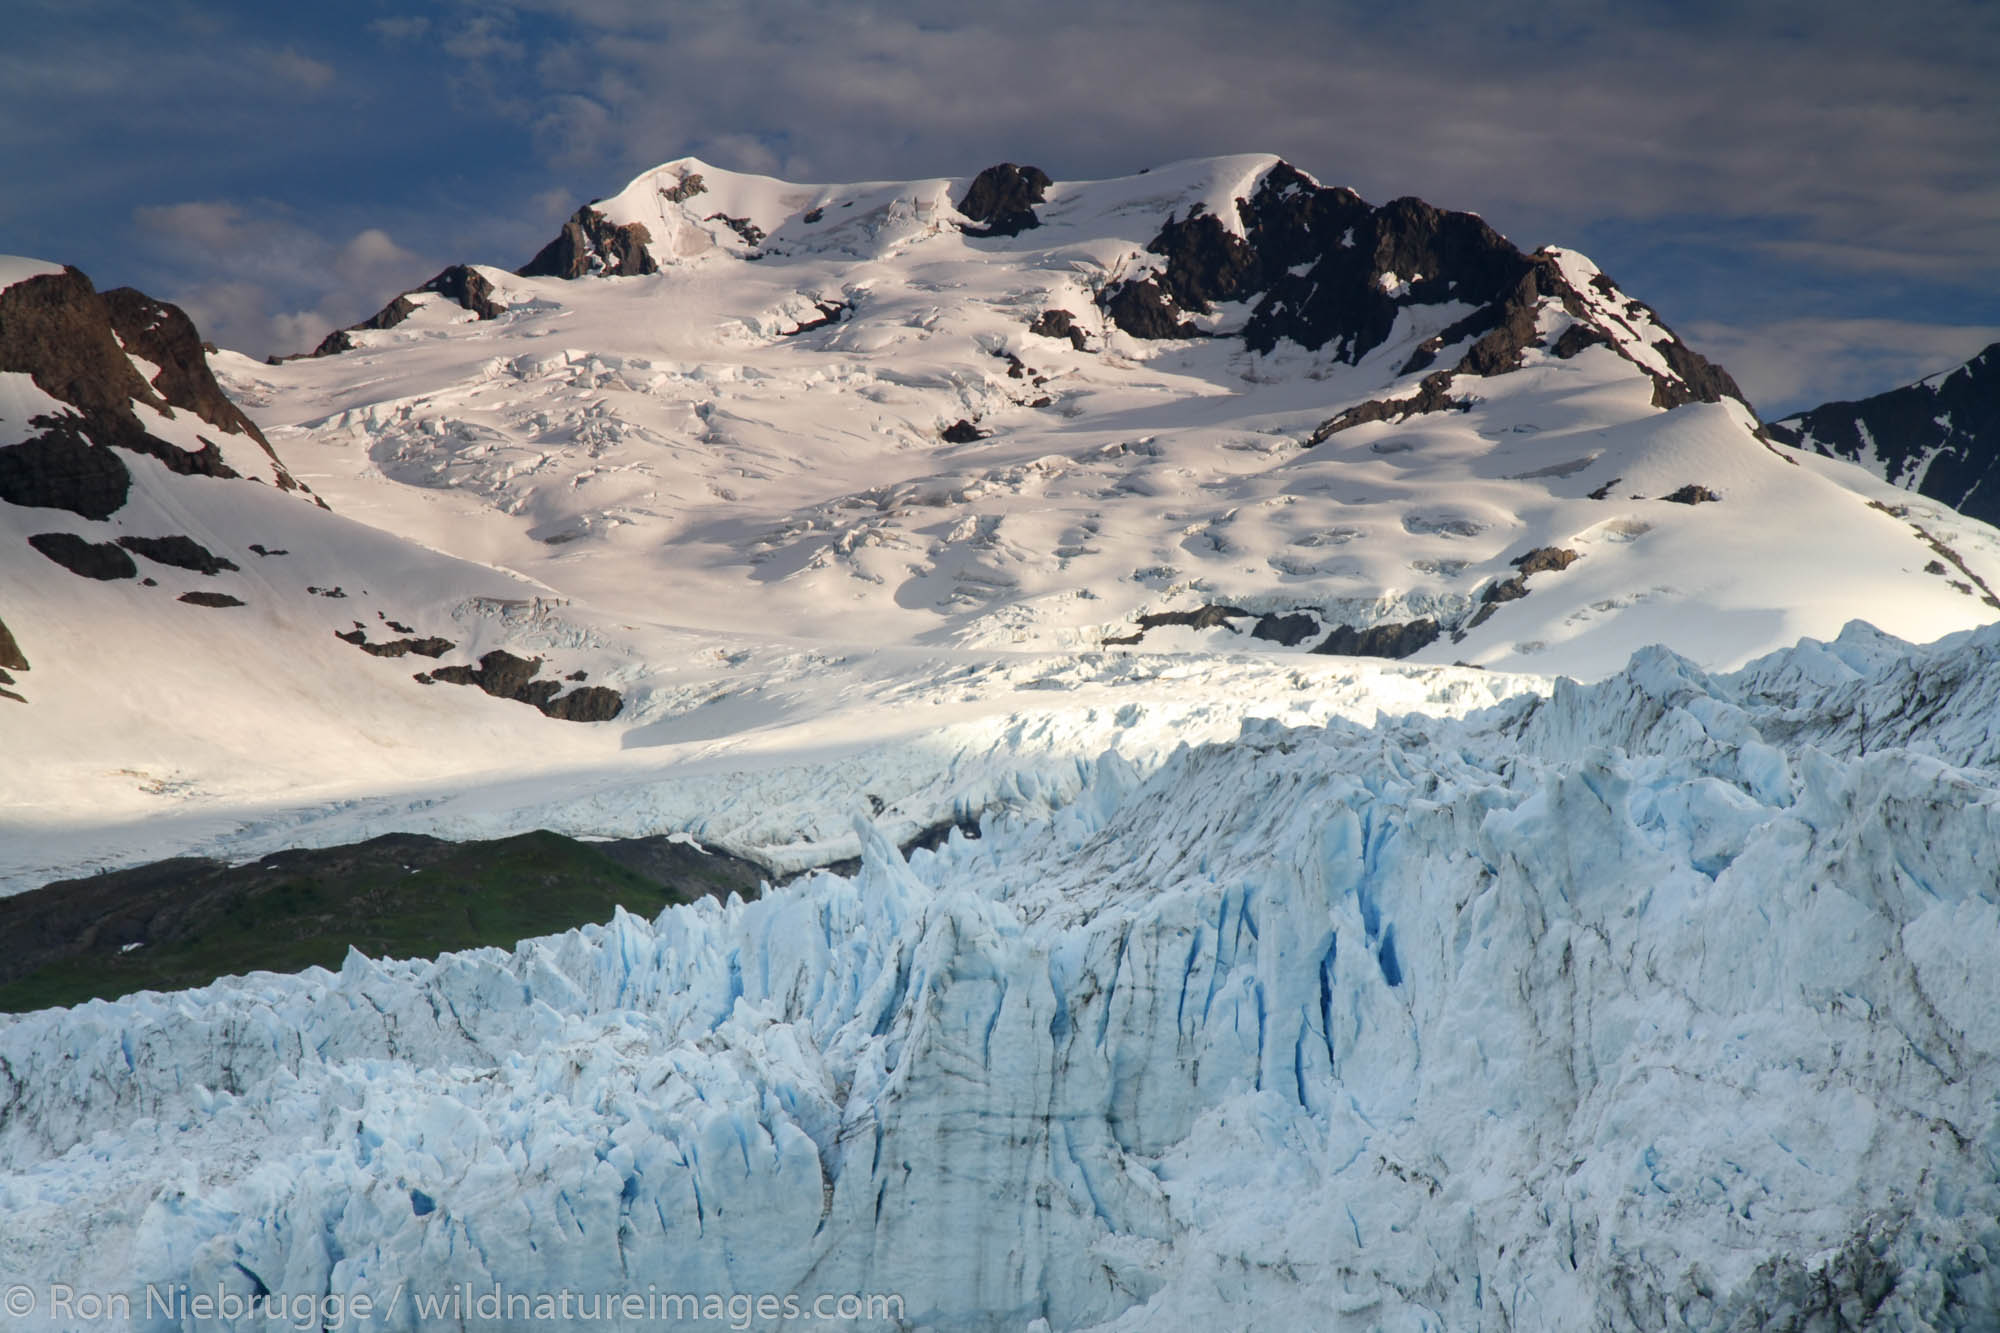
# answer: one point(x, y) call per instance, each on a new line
point(1939, 437)
point(185, 619)
point(1013, 413)
point(762, 462)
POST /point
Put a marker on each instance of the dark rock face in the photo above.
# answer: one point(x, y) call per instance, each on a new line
point(1702, 381)
point(431, 646)
point(1398, 640)
point(11, 656)
point(1574, 339)
point(1323, 268)
point(211, 599)
point(164, 335)
point(1939, 437)
point(592, 243)
point(1004, 198)
point(92, 560)
point(1541, 560)
point(179, 552)
point(469, 288)
point(749, 232)
point(591, 703)
point(1287, 631)
point(962, 432)
point(1144, 310)
point(1203, 617)
point(461, 284)
point(65, 335)
point(62, 469)
point(1059, 324)
point(1544, 559)
point(506, 676)
point(58, 329)
point(1432, 396)
point(1692, 494)
point(1314, 258)
point(685, 189)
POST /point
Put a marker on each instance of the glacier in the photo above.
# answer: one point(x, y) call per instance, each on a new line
point(1667, 1001)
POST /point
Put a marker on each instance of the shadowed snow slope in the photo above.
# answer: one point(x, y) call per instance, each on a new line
point(1663, 1002)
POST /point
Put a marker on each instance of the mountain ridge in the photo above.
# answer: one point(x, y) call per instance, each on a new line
point(1938, 436)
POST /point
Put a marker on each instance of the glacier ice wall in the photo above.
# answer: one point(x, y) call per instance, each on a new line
point(1665, 1002)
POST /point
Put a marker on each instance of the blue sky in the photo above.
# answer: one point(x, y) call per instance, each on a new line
point(1808, 192)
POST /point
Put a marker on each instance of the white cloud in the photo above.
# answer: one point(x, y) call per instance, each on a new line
point(260, 281)
point(300, 72)
point(1789, 365)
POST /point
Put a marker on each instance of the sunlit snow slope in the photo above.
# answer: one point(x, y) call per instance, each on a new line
point(857, 415)
point(1664, 1002)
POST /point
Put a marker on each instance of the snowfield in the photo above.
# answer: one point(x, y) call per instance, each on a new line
point(1664, 1002)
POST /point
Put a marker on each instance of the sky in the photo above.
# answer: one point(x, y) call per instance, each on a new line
point(1807, 192)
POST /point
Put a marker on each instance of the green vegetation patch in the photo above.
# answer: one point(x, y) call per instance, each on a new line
point(398, 896)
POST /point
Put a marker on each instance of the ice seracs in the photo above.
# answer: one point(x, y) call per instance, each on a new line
point(1659, 1003)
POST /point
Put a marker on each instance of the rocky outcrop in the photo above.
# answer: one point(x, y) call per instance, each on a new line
point(164, 335)
point(1397, 640)
point(11, 657)
point(61, 468)
point(1692, 494)
point(178, 552)
point(591, 243)
point(91, 560)
point(1939, 437)
point(1541, 560)
point(1144, 310)
point(1322, 268)
point(746, 231)
point(430, 646)
point(72, 341)
point(1059, 324)
point(1004, 198)
point(961, 432)
point(591, 703)
point(461, 284)
point(1210, 616)
point(1287, 631)
point(1700, 380)
point(830, 312)
point(686, 188)
point(506, 676)
point(1433, 395)
point(217, 600)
